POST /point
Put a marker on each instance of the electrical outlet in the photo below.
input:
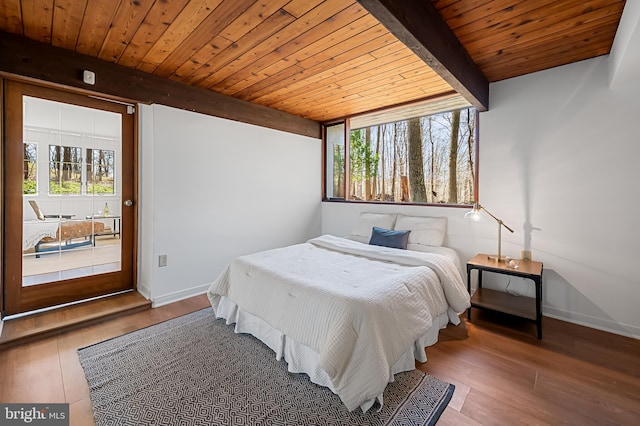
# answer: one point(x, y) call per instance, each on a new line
point(526, 254)
point(162, 260)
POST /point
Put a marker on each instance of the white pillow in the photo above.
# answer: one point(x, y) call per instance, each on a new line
point(428, 231)
point(360, 238)
point(367, 221)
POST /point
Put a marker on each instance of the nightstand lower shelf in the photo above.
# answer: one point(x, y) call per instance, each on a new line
point(521, 306)
point(500, 301)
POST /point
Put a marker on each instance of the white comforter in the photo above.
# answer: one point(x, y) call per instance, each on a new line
point(359, 306)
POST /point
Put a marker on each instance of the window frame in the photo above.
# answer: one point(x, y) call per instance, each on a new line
point(90, 166)
point(24, 161)
point(347, 174)
point(60, 168)
point(84, 163)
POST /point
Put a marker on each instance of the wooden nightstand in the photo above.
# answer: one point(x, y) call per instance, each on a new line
point(520, 306)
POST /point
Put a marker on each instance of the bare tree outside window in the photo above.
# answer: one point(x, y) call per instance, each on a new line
point(453, 156)
point(416, 166)
point(424, 159)
point(100, 171)
point(65, 169)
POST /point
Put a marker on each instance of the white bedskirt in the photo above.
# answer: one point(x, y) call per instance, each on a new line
point(302, 359)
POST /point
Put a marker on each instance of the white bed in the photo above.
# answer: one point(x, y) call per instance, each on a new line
point(347, 314)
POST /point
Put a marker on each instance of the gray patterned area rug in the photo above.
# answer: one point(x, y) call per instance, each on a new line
point(194, 370)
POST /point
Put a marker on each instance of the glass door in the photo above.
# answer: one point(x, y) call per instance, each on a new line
point(69, 162)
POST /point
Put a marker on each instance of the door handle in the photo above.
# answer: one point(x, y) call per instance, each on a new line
point(128, 203)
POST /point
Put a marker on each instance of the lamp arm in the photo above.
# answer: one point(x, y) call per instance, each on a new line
point(495, 218)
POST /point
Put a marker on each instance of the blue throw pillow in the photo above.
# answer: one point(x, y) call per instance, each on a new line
point(387, 238)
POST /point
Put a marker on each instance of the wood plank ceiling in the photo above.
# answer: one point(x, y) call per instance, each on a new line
point(318, 59)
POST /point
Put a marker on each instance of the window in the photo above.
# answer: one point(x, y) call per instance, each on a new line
point(414, 155)
point(65, 170)
point(100, 171)
point(334, 138)
point(30, 169)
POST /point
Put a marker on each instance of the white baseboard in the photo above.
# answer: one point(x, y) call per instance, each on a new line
point(144, 291)
point(593, 322)
point(1, 324)
point(179, 295)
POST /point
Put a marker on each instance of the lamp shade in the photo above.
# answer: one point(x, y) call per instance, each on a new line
point(473, 214)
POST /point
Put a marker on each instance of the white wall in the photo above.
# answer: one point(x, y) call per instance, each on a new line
point(558, 158)
point(558, 163)
point(212, 189)
point(624, 63)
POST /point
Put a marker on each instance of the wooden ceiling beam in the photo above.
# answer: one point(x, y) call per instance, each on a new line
point(420, 27)
point(27, 58)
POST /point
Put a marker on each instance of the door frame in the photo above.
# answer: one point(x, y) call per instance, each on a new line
point(15, 298)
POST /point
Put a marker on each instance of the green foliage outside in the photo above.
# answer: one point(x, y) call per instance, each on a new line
point(68, 187)
point(100, 188)
point(363, 161)
point(29, 187)
point(338, 171)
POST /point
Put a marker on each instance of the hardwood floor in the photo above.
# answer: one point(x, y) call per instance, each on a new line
point(503, 375)
point(48, 370)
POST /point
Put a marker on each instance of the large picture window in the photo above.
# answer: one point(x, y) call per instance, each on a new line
point(428, 158)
